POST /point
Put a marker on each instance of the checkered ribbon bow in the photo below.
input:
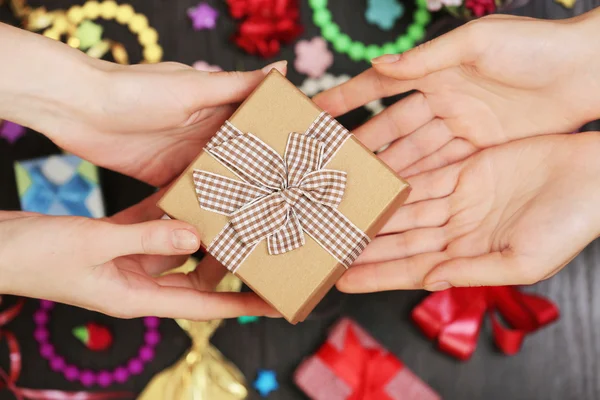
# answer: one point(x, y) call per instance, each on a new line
point(279, 199)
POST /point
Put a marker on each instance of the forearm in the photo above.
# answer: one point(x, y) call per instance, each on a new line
point(41, 80)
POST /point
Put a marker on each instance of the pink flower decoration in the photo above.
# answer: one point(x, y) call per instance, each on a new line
point(312, 57)
point(204, 66)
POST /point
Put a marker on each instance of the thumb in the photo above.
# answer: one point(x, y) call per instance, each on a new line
point(233, 87)
point(493, 269)
point(452, 49)
point(34, 239)
point(160, 237)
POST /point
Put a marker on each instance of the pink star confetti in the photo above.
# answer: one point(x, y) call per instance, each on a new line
point(206, 67)
point(11, 131)
point(203, 16)
point(312, 57)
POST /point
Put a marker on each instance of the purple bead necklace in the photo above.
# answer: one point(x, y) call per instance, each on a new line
point(104, 378)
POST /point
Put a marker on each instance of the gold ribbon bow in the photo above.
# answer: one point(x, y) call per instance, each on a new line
point(279, 199)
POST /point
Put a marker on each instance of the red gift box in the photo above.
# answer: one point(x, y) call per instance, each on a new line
point(352, 365)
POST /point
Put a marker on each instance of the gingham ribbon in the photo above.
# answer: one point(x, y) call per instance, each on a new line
point(279, 199)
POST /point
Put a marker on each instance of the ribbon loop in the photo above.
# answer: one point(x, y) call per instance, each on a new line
point(252, 160)
point(454, 316)
point(366, 371)
point(278, 199)
point(260, 219)
point(223, 195)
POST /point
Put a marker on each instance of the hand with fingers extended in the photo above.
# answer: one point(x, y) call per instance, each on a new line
point(114, 265)
point(512, 214)
point(145, 121)
point(493, 80)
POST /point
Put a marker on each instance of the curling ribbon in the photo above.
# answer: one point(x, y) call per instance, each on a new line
point(8, 380)
point(366, 371)
point(454, 317)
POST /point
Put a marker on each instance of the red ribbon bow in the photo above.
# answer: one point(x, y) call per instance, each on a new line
point(8, 380)
point(266, 25)
point(366, 371)
point(454, 317)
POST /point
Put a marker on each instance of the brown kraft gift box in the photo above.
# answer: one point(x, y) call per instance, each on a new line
point(293, 282)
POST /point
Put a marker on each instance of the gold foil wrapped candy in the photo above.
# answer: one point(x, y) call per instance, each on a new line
point(202, 373)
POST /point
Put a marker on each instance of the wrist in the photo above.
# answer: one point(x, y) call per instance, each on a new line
point(586, 71)
point(46, 82)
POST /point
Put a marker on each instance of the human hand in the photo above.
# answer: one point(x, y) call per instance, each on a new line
point(145, 121)
point(513, 214)
point(493, 80)
point(113, 266)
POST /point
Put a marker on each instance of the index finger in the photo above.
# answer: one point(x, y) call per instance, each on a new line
point(360, 90)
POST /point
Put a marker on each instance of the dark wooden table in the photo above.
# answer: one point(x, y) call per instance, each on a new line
point(560, 362)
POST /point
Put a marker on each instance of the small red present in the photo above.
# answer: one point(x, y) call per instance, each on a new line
point(352, 365)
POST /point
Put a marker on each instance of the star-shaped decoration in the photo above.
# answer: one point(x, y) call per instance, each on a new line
point(566, 3)
point(312, 57)
point(203, 16)
point(384, 13)
point(266, 382)
point(11, 131)
point(247, 320)
point(89, 34)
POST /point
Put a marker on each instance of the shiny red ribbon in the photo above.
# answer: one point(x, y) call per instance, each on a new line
point(454, 316)
point(366, 371)
point(265, 25)
point(8, 380)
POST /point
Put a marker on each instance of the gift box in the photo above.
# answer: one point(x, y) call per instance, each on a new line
point(352, 365)
point(59, 185)
point(285, 197)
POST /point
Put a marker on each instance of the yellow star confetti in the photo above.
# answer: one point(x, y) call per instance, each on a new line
point(566, 3)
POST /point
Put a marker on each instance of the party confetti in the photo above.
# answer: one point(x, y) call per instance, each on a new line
point(312, 57)
point(566, 3)
point(89, 34)
point(206, 67)
point(266, 382)
point(203, 16)
point(11, 131)
point(384, 13)
point(94, 336)
point(247, 320)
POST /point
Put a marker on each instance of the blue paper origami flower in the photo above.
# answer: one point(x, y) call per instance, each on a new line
point(384, 13)
point(59, 185)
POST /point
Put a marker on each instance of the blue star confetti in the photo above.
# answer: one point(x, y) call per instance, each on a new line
point(266, 382)
point(384, 13)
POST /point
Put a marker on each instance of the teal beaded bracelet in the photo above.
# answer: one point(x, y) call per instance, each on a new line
point(356, 50)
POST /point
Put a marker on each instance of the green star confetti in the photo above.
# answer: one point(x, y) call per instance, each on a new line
point(89, 34)
point(247, 320)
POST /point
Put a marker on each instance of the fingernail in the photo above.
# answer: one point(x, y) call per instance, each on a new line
point(280, 66)
point(184, 240)
point(386, 59)
point(273, 314)
point(437, 286)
